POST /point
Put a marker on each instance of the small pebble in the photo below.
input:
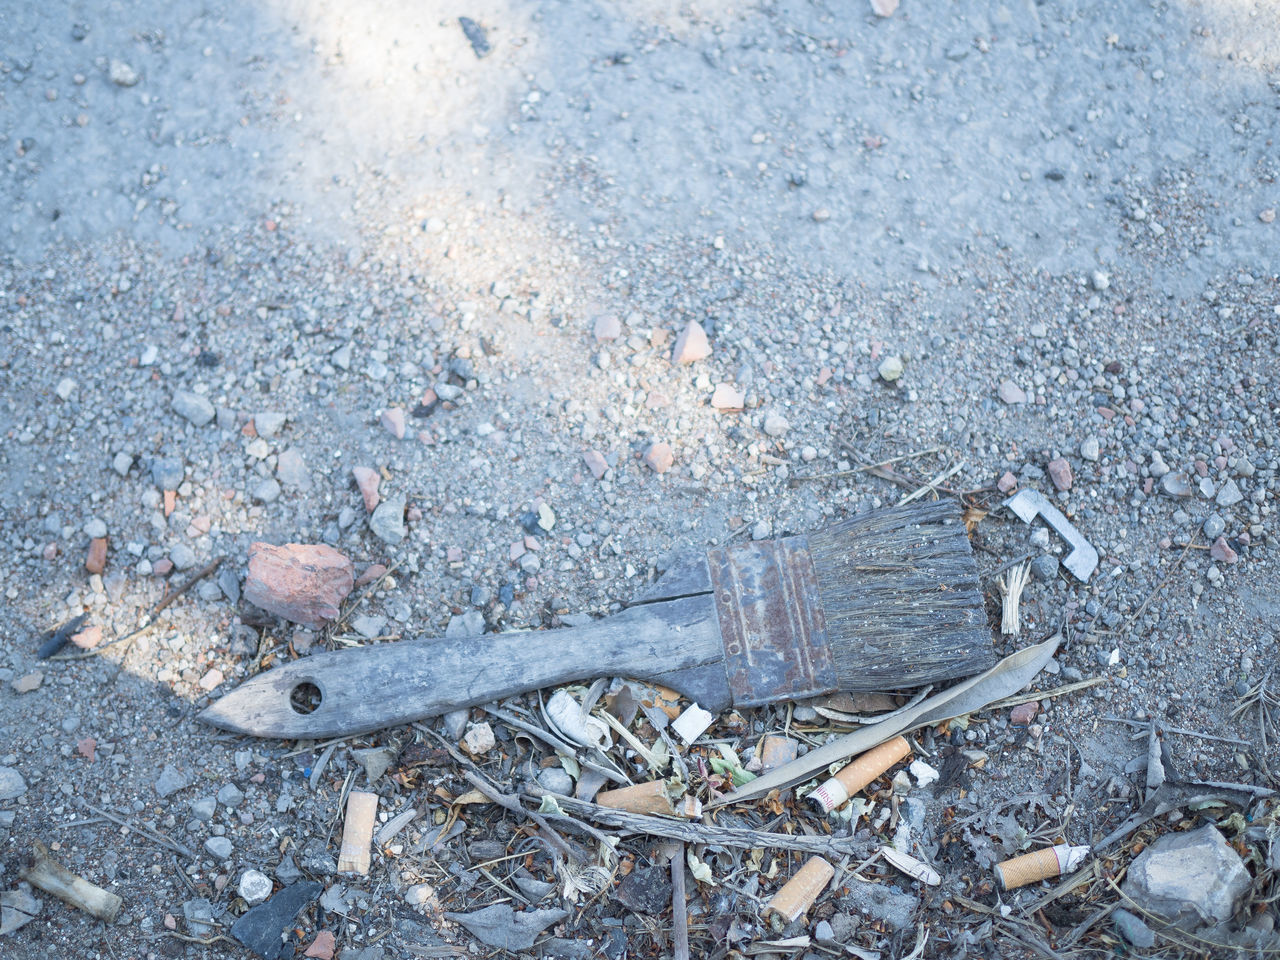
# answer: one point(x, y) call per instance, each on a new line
point(890, 369)
point(254, 887)
point(1011, 393)
point(659, 457)
point(1060, 473)
point(218, 847)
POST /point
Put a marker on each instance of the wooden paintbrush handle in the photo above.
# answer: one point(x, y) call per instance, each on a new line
point(393, 683)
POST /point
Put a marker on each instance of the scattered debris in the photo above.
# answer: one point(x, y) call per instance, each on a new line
point(692, 723)
point(1011, 585)
point(357, 832)
point(477, 36)
point(657, 797)
point(500, 926)
point(52, 877)
point(1083, 558)
point(56, 639)
point(916, 869)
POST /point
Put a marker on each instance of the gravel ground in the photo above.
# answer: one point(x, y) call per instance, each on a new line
point(241, 235)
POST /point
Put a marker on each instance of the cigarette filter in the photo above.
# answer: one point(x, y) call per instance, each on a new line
point(798, 894)
point(860, 773)
point(1040, 865)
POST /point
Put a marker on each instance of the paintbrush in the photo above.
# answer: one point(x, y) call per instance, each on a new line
point(887, 600)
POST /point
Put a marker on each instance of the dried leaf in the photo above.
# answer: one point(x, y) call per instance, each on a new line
point(972, 517)
point(500, 926)
point(549, 805)
point(701, 872)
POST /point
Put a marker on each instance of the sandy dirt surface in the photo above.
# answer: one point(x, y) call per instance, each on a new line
point(247, 248)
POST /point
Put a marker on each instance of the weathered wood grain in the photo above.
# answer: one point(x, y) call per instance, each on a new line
point(388, 684)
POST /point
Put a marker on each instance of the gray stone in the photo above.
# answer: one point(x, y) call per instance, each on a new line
point(1044, 568)
point(775, 425)
point(218, 847)
point(199, 916)
point(369, 626)
point(292, 472)
point(1175, 483)
point(890, 369)
point(183, 557)
point(167, 473)
point(268, 491)
point(204, 808)
point(557, 780)
point(12, 785)
point(387, 521)
point(262, 927)
point(255, 886)
point(1188, 878)
point(469, 624)
point(455, 722)
point(375, 760)
point(1213, 526)
point(1090, 449)
point(194, 407)
point(170, 781)
point(230, 796)
point(1010, 392)
point(1229, 495)
point(121, 463)
point(1133, 929)
point(17, 907)
point(268, 424)
point(95, 528)
point(229, 584)
point(287, 871)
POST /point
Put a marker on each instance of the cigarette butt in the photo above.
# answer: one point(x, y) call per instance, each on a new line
point(357, 832)
point(1039, 865)
point(800, 891)
point(653, 797)
point(52, 877)
point(860, 773)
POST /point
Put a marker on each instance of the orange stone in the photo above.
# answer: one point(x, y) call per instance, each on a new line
point(96, 561)
point(302, 582)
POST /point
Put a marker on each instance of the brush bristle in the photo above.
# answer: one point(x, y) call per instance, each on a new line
point(900, 594)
